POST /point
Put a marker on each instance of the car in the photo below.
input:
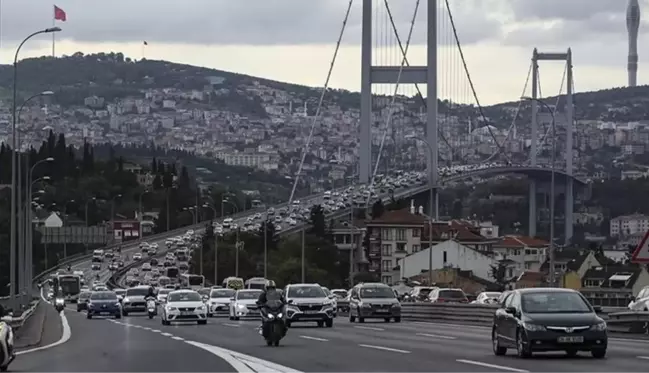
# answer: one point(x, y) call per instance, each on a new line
point(244, 304)
point(82, 304)
point(373, 301)
point(103, 303)
point(153, 261)
point(548, 319)
point(95, 266)
point(162, 294)
point(308, 303)
point(120, 263)
point(134, 299)
point(113, 267)
point(146, 267)
point(137, 256)
point(219, 301)
point(184, 306)
point(333, 298)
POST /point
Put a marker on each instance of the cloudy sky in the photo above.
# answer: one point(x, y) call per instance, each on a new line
point(294, 40)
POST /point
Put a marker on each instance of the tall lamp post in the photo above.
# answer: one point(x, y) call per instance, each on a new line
point(433, 204)
point(141, 211)
point(29, 232)
point(216, 247)
point(14, 166)
point(236, 245)
point(552, 186)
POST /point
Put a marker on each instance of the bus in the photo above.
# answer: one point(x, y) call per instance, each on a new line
point(70, 287)
point(172, 272)
point(194, 282)
point(164, 281)
point(256, 283)
point(234, 283)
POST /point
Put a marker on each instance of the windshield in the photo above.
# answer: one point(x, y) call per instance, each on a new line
point(172, 272)
point(184, 296)
point(260, 286)
point(425, 291)
point(492, 295)
point(164, 291)
point(70, 285)
point(103, 295)
point(451, 294)
point(84, 295)
point(327, 291)
point(554, 302)
point(137, 291)
point(120, 291)
point(377, 292)
point(222, 293)
point(248, 294)
point(306, 292)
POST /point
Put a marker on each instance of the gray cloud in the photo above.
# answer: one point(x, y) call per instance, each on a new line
point(525, 10)
point(228, 22)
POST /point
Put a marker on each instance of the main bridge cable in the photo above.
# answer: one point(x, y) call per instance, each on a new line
point(516, 114)
point(471, 85)
point(554, 110)
point(321, 101)
point(388, 120)
point(407, 63)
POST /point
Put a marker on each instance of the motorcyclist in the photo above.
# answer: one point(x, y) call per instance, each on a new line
point(69, 268)
point(270, 293)
point(150, 293)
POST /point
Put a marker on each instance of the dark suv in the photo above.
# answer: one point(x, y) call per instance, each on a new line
point(373, 301)
point(548, 319)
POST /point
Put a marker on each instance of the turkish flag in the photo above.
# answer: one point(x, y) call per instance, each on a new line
point(59, 14)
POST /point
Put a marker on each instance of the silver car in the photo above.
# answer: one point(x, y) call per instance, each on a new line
point(134, 299)
point(244, 304)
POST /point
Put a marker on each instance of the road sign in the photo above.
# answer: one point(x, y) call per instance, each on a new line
point(641, 253)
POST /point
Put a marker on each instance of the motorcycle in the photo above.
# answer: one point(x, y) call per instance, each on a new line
point(59, 304)
point(151, 307)
point(274, 327)
point(7, 354)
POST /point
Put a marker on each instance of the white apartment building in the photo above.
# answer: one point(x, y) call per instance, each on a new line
point(266, 161)
point(629, 225)
point(522, 253)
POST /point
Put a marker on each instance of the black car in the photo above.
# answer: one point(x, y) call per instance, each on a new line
point(154, 261)
point(548, 319)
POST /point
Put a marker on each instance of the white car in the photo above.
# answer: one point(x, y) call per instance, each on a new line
point(219, 302)
point(184, 306)
point(244, 304)
point(146, 267)
point(162, 295)
point(137, 256)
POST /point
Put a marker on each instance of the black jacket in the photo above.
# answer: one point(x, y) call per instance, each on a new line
point(271, 294)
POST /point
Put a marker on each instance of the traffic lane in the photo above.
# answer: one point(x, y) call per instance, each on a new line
point(101, 345)
point(474, 349)
point(302, 352)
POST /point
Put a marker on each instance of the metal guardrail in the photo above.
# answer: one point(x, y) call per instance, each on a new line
point(17, 322)
point(636, 322)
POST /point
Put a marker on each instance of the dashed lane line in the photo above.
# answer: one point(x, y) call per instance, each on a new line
point(314, 338)
point(383, 348)
point(435, 336)
point(369, 328)
point(232, 325)
point(493, 366)
point(167, 334)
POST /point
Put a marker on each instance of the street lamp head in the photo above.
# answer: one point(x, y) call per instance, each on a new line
point(52, 29)
point(49, 159)
point(40, 192)
point(45, 178)
point(118, 196)
point(47, 93)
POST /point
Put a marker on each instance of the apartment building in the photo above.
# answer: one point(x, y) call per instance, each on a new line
point(629, 224)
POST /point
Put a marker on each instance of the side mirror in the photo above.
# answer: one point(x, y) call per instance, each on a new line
point(511, 310)
point(598, 309)
point(290, 301)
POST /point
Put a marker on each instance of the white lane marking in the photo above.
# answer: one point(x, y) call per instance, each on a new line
point(369, 328)
point(494, 366)
point(67, 333)
point(452, 325)
point(146, 328)
point(436, 336)
point(630, 340)
point(242, 362)
point(314, 338)
point(156, 331)
point(167, 334)
point(232, 325)
point(643, 357)
point(386, 349)
point(177, 338)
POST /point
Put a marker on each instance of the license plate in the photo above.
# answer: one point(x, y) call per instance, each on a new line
point(571, 339)
point(382, 311)
point(105, 313)
point(310, 311)
point(184, 313)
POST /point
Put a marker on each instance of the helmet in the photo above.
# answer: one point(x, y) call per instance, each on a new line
point(270, 285)
point(151, 290)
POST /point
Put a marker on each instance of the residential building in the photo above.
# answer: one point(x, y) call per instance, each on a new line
point(613, 286)
point(457, 278)
point(567, 260)
point(629, 224)
point(521, 252)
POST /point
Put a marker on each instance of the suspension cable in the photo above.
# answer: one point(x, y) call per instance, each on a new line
point(405, 58)
point(320, 102)
point(554, 110)
point(471, 85)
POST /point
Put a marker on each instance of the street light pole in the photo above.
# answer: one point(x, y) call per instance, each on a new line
point(303, 256)
point(216, 247)
point(266, 245)
point(551, 249)
point(28, 220)
point(141, 211)
point(236, 245)
point(13, 286)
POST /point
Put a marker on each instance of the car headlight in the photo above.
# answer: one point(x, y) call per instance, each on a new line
point(127, 300)
point(533, 327)
point(599, 327)
point(171, 309)
point(59, 301)
point(279, 315)
point(201, 308)
point(365, 305)
point(271, 316)
point(240, 306)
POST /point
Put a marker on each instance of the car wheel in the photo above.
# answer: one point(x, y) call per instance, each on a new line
point(599, 353)
point(124, 313)
point(523, 350)
point(361, 319)
point(202, 322)
point(88, 316)
point(235, 318)
point(320, 324)
point(118, 315)
point(352, 318)
point(498, 349)
point(78, 309)
point(329, 323)
point(397, 319)
point(288, 324)
point(571, 353)
point(387, 319)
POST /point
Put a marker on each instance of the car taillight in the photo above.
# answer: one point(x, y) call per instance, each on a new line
point(441, 300)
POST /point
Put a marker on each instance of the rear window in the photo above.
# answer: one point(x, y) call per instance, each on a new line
point(451, 294)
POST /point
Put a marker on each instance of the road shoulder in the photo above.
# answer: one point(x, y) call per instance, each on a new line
point(42, 328)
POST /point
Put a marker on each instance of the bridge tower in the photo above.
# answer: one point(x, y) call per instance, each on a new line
point(390, 75)
point(569, 197)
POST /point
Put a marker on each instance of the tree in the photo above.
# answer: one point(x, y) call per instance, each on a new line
point(377, 209)
point(498, 272)
point(318, 222)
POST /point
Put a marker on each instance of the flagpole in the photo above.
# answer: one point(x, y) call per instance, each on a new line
point(54, 33)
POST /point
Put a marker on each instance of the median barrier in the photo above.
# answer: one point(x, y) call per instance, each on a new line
point(452, 312)
point(17, 322)
point(636, 322)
